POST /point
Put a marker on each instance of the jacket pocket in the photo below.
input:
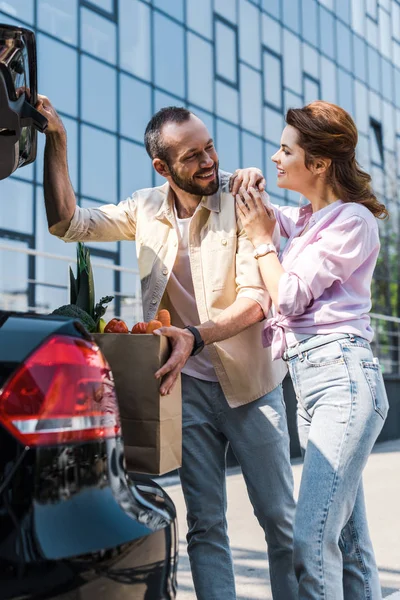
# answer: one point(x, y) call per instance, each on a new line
point(374, 378)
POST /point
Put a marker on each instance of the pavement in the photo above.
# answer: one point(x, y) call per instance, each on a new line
point(382, 491)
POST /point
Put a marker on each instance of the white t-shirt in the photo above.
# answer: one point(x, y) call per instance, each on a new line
point(183, 303)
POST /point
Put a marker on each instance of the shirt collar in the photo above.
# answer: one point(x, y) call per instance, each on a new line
point(319, 214)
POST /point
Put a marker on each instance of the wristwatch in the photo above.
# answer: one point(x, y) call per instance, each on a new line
point(264, 249)
point(198, 343)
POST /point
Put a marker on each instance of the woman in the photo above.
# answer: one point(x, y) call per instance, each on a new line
point(321, 296)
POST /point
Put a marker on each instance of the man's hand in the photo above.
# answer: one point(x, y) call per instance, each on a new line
point(45, 107)
point(246, 178)
point(182, 345)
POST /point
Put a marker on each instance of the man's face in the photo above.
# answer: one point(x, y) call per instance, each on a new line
point(192, 158)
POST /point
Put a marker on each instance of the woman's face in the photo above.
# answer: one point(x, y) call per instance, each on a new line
point(290, 163)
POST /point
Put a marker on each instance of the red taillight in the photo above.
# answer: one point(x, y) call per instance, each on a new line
point(64, 392)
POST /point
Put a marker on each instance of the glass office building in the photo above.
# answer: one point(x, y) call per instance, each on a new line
point(107, 65)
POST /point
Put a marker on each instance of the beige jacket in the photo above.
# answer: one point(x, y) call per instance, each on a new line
point(223, 268)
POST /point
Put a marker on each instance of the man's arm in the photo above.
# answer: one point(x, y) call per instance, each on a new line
point(59, 196)
point(243, 313)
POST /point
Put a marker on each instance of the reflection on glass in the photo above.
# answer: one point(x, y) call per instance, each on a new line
point(376, 143)
point(345, 91)
point(13, 277)
point(252, 151)
point(228, 146)
point(270, 170)
point(272, 79)
point(310, 61)
point(135, 107)
point(57, 69)
point(199, 16)
point(199, 70)
point(328, 80)
point(107, 5)
point(99, 164)
point(135, 38)
point(387, 80)
point(310, 21)
point(273, 7)
point(172, 7)
point(227, 101)
point(292, 100)
point(343, 11)
point(362, 152)
point(385, 33)
point(99, 90)
point(373, 69)
point(249, 33)
point(135, 169)
point(169, 55)
point(162, 99)
point(291, 14)
point(18, 214)
point(251, 98)
point(59, 18)
point(205, 117)
point(226, 52)
point(98, 35)
point(71, 127)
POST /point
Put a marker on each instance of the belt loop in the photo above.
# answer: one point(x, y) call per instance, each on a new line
point(351, 337)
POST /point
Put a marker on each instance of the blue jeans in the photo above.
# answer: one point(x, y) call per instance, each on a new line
point(258, 435)
point(342, 405)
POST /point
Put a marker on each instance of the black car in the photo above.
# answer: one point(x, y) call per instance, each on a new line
point(73, 524)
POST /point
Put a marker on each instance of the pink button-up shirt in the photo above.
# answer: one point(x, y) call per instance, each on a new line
point(327, 284)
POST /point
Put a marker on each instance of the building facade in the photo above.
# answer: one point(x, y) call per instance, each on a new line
point(107, 65)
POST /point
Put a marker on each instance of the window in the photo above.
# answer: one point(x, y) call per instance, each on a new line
point(199, 71)
point(272, 69)
point(169, 52)
point(71, 127)
point(227, 99)
point(310, 21)
point(385, 33)
point(228, 146)
point(18, 9)
point(327, 32)
point(311, 61)
point(271, 34)
point(99, 164)
point(172, 7)
point(373, 69)
point(361, 107)
point(345, 91)
point(59, 18)
point(292, 100)
point(376, 141)
point(98, 35)
point(104, 5)
point(57, 71)
point(360, 65)
point(292, 62)
point(291, 14)
point(252, 154)
point(273, 125)
point(273, 7)
point(372, 9)
point(225, 8)
point(207, 119)
point(343, 38)
point(98, 89)
point(396, 20)
point(387, 79)
point(136, 169)
point(343, 10)
point(135, 38)
point(250, 95)
point(249, 33)
point(270, 169)
point(199, 16)
point(18, 215)
point(328, 80)
point(135, 107)
point(226, 52)
point(311, 89)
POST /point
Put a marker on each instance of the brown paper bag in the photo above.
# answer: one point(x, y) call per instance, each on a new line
point(151, 423)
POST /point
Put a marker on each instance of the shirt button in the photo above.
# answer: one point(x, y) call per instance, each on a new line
point(165, 271)
point(224, 242)
point(154, 301)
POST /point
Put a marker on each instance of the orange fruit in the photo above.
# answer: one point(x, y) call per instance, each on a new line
point(152, 325)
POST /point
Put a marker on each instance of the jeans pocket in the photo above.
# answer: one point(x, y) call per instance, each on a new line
point(322, 356)
point(374, 379)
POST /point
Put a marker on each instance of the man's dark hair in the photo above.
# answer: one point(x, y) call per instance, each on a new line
point(152, 137)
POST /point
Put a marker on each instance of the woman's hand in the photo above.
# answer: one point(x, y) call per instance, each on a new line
point(257, 219)
point(246, 178)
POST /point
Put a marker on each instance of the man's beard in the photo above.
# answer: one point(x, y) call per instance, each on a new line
point(189, 186)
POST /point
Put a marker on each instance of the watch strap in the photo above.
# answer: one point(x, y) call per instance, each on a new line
point(198, 343)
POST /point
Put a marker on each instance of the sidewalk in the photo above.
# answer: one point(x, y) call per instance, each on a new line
point(382, 490)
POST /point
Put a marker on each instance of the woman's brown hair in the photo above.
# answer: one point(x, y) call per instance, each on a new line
point(327, 131)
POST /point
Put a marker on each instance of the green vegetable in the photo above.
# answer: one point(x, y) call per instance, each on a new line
point(75, 312)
